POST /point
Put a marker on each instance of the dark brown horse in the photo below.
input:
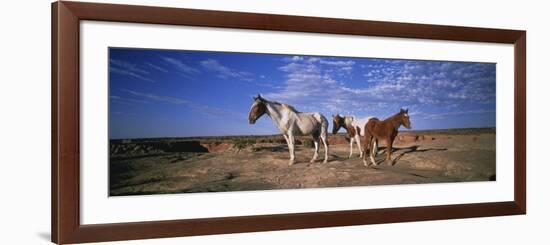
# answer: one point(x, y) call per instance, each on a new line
point(384, 130)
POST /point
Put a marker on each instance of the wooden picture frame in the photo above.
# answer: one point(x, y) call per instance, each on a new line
point(65, 174)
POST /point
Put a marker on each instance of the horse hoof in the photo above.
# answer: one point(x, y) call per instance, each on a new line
point(312, 161)
point(290, 163)
point(325, 161)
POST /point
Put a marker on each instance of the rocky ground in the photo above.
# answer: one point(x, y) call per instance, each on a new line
point(152, 166)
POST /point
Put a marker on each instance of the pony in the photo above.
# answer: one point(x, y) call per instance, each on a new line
point(353, 130)
point(384, 130)
point(292, 123)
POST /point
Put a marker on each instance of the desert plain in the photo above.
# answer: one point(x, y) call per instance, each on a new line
point(246, 163)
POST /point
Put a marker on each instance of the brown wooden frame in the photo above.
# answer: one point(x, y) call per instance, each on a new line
point(65, 175)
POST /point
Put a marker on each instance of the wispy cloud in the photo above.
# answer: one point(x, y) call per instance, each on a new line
point(128, 66)
point(433, 82)
point(128, 69)
point(200, 108)
point(337, 62)
point(294, 58)
point(130, 73)
point(444, 115)
point(125, 100)
point(156, 67)
point(181, 66)
point(225, 72)
point(154, 97)
point(313, 83)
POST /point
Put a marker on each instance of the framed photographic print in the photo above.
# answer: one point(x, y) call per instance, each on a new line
point(176, 122)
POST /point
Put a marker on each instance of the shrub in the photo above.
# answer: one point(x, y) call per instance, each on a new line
point(308, 143)
point(242, 143)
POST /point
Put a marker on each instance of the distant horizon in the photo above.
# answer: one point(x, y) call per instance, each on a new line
point(180, 93)
point(343, 132)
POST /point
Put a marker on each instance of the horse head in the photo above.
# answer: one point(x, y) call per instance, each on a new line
point(337, 123)
point(405, 118)
point(257, 110)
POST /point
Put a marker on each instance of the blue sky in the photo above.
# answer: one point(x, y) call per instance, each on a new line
point(171, 93)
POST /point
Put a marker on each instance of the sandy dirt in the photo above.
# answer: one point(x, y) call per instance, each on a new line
point(154, 166)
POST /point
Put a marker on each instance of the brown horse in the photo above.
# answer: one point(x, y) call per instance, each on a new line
point(384, 130)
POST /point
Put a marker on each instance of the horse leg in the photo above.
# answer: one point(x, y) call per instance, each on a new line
point(287, 142)
point(350, 147)
point(291, 148)
point(325, 144)
point(374, 147)
point(358, 141)
point(316, 143)
point(392, 161)
point(366, 150)
point(389, 150)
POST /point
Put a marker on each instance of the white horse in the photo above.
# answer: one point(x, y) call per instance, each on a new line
point(353, 130)
point(292, 123)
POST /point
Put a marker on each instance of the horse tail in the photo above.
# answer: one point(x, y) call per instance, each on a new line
point(324, 125)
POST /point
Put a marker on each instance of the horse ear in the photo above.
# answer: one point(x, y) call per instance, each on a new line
point(407, 110)
point(260, 98)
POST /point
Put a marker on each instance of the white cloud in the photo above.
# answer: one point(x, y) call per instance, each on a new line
point(130, 73)
point(203, 109)
point(438, 116)
point(123, 65)
point(126, 100)
point(313, 59)
point(310, 86)
point(128, 69)
point(337, 63)
point(225, 72)
point(347, 68)
point(180, 66)
point(434, 82)
point(156, 67)
point(294, 58)
point(389, 85)
point(154, 97)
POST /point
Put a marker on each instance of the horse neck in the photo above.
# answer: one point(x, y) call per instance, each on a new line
point(395, 121)
point(275, 112)
point(348, 125)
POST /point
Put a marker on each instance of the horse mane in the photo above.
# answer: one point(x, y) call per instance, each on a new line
point(392, 119)
point(393, 116)
point(288, 107)
point(348, 120)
